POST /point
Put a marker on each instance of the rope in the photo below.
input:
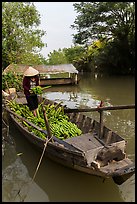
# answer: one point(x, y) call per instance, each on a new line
point(5, 123)
point(45, 145)
point(7, 127)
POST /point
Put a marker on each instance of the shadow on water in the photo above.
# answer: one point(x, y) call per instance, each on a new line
point(17, 184)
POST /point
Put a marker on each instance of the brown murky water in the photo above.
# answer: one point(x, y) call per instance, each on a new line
point(54, 182)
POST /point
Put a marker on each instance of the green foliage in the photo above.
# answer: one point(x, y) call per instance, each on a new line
point(67, 55)
point(74, 53)
point(31, 58)
point(12, 80)
point(119, 61)
point(56, 57)
point(113, 21)
point(103, 19)
point(21, 38)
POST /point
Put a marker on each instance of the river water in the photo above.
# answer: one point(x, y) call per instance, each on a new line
point(57, 183)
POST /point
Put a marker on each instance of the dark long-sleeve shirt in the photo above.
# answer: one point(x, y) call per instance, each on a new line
point(27, 85)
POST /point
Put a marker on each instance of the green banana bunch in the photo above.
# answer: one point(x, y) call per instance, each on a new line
point(59, 122)
point(39, 89)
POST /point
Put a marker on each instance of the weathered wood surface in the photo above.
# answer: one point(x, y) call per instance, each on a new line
point(47, 123)
point(84, 142)
point(56, 81)
point(88, 152)
point(104, 108)
point(100, 110)
point(116, 166)
point(21, 100)
point(88, 144)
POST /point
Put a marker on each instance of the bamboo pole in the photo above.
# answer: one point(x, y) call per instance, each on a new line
point(7, 87)
point(47, 132)
point(47, 123)
point(101, 125)
point(100, 109)
point(104, 108)
point(101, 120)
point(28, 122)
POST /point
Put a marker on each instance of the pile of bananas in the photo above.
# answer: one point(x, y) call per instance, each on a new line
point(60, 125)
point(39, 89)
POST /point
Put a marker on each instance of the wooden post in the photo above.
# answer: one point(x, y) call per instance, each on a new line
point(47, 124)
point(118, 107)
point(76, 78)
point(101, 120)
point(101, 125)
point(7, 87)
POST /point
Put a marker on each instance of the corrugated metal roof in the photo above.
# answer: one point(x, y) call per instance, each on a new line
point(43, 69)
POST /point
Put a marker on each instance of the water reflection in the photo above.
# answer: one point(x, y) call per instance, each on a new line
point(17, 185)
point(128, 188)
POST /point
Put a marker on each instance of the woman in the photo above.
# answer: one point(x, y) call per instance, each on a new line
point(30, 80)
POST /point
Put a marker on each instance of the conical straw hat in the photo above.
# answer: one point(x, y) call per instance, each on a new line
point(31, 72)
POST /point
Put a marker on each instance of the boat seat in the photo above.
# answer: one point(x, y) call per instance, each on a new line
point(21, 100)
point(88, 144)
point(84, 142)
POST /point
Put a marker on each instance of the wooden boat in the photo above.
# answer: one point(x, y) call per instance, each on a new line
point(104, 157)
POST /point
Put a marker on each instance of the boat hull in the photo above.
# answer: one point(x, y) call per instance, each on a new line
point(89, 153)
point(69, 156)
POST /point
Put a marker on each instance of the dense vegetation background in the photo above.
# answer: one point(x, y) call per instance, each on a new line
point(104, 42)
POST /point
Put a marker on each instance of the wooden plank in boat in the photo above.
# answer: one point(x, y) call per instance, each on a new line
point(116, 165)
point(21, 100)
point(84, 142)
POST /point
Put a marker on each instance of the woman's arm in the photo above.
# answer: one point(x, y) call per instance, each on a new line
point(37, 81)
point(26, 85)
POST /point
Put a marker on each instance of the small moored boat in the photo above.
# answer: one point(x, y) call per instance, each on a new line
point(100, 156)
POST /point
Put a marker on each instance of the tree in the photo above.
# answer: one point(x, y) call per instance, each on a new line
point(20, 35)
point(110, 20)
point(56, 57)
point(74, 53)
point(76, 56)
point(103, 19)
